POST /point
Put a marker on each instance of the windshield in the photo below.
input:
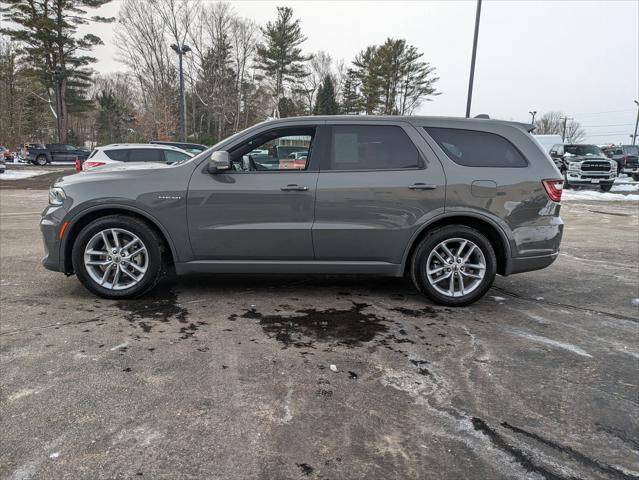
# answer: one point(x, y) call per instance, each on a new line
point(632, 150)
point(583, 150)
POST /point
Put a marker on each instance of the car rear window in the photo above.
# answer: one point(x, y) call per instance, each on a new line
point(146, 155)
point(471, 148)
point(120, 154)
point(372, 147)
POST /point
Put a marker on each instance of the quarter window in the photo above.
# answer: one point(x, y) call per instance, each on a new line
point(119, 155)
point(171, 156)
point(471, 148)
point(372, 147)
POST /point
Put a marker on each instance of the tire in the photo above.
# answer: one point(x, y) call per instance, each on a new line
point(454, 235)
point(126, 229)
point(635, 177)
point(41, 160)
point(605, 187)
point(566, 184)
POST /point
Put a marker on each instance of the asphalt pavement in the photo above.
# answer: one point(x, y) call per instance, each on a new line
point(295, 377)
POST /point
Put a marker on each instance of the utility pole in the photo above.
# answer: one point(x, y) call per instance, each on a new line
point(634, 136)
point(563, 134)
point(532, 114)
point(472, 60)
point(181, 50)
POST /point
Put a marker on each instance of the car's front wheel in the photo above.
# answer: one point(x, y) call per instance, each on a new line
point(605, 187)
point(454, 265)
point(41, 160)
point(118, 257)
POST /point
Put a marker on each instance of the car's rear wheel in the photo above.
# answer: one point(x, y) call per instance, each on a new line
point(454, 265)
point(118, 257)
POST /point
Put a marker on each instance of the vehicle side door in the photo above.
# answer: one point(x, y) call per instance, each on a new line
point(262, 208)
point(377, 186)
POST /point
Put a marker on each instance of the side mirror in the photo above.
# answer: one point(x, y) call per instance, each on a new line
point(219, 162)
point(553, 153)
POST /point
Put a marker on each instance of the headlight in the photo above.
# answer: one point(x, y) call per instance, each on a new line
point(573, 166)
point(56, 196)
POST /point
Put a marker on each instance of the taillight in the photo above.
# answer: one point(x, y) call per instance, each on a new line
point(93, 164)
point(78, 165)
point(553, 189)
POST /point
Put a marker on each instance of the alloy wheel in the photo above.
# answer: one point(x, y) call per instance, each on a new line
point(456, 267)
point(116, 259)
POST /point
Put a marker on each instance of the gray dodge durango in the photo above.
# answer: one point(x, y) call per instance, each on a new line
point(450, 202)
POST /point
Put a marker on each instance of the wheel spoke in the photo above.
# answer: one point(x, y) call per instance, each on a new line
point(98, 262)
point(460, 280)
point(129, 244)
point(451, 286)
point(116, 277)
point(139, 250)
point(126, 272)
point(471, 275)
point(439, 279)
point(448, 252)
point(436, 270)
point(469, 253)
point(476, 266)
point(105, 239)
point(106, 274)
point(461, 248)
point(440, 257)
point(97, 252)
point(116, 240)
point(136, 267)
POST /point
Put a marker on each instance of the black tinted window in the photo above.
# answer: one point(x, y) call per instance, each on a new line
point(376, 147)
point(171, 156)
point(476, 149)
point(146, 155)
point(119, 155)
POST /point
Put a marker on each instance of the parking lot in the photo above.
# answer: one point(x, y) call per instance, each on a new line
point(323, 377)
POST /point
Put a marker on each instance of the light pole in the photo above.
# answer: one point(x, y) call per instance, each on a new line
point(634, 136)
point(472, 60)
point(532, 114)
point(181, 51)
point(563, 133)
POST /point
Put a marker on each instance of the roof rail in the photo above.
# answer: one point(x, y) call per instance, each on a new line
point(483, 115)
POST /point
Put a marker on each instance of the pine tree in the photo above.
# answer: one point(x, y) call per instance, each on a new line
point(280, 56)
point(367, 70)
point(351, 99)
point(326, 103)
point(46, 31)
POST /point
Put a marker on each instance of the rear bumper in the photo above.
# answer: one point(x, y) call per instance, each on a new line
point(529, 264)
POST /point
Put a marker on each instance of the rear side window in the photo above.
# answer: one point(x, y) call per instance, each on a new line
point(119, 155)
point(146, 155)
point(171, 156)
point(471, 148)
point(372, 147)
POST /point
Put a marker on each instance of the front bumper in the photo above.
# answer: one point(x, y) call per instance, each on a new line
point(632, 169)
point(50, 222)
point(589, 178)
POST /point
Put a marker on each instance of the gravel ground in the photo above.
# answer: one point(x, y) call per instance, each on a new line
point(324, 377)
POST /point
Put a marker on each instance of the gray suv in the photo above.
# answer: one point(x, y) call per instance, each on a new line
point(449, 202)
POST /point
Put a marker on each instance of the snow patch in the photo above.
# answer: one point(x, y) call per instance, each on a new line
point(20, 174)
point(595, 195)
point(54, 455)
point(554, 343)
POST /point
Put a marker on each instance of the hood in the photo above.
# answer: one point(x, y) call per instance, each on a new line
point(582, 158)
point(113, 171)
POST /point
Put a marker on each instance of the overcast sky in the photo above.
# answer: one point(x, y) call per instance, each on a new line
point(578, 57)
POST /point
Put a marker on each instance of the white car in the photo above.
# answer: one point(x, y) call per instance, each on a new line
point(134, 152)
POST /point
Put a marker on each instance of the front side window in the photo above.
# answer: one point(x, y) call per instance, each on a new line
point(372, 147)
point(275, 150)
point(146, 155)
point(471, 148)
point(70, 148)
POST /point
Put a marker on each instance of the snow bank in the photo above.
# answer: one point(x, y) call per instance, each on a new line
point(598, 196)
point(20, 174)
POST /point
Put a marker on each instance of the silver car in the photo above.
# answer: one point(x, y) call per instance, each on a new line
point(449, 202)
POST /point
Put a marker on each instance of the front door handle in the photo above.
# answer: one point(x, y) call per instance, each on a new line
point(422, 186)
point(294, 188)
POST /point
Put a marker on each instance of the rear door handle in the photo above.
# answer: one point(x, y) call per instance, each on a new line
point(422, 186)
point(294, 188)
